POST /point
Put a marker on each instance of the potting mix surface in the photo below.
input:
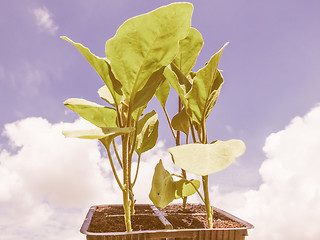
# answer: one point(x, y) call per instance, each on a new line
point(110, 218)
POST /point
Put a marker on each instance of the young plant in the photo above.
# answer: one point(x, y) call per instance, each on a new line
point(189, 49)
point(134, 68)
point(198, 93)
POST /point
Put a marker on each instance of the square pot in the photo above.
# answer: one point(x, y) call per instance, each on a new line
point(170, 223)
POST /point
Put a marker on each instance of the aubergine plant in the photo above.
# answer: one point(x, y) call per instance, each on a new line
point(198, 93)
point(135, 66)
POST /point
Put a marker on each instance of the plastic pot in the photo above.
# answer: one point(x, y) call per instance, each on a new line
point(113, 214)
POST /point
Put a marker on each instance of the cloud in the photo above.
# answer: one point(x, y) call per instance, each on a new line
point(44, 20)
point(48, 182)
point(287, 204)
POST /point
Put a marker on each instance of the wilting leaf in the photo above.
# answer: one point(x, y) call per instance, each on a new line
point(97, 133)
point(205, 159)
point(180, 122)
point(163, 187)
point(147, 132)
point(99, 115)
point(103, 69)
point(203, 86)
point(189, 49)
point(145, 44)
point(184, 188)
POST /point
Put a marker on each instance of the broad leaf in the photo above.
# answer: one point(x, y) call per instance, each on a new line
point(180, 122)
point(189, 49)
point(214, 94)
point(103, 69)
point(183, 188)
point(163, 187)
point(147, 132)
point(106, 95)
point(205, 159)
point(144, 95)
point(99, 115)
point(174, 82)
point(146, 43)
point(203, 86)
point(97, 133)
point(162, 93)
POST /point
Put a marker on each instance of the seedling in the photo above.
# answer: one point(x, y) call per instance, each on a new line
point(198, 93)
point(134, 68)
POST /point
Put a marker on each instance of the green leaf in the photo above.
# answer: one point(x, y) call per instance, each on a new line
point(103, 69)
point(145, 44)
point(144, 95)
point(189, 49)
point(147, 132)
point(185, 188)
point(106, 95)
point(212, 99)
point(97, 133)
point(162, 93)
point(180, 122)
point(98, 115)
point(163, 187)
point(174, 82)
point(203, 86)
point(205, 159)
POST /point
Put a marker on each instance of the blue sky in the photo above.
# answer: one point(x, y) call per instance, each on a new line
point(271, 70)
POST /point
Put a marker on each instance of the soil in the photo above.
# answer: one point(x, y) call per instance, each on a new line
point(104, 218)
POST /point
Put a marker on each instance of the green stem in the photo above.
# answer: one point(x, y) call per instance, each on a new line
point(169, 122)
point(126, 191)
point(136, 176)
point(116, 152)
point(207, 201)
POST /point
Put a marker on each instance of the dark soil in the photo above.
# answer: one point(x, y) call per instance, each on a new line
point(118, 209)
point(100, 223)
point(193, 217)
point(190, 208)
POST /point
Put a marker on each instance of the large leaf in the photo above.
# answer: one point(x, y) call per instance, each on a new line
point(203, 86)
point(144, 95)
point(215, 91)
point(180, 122)
point(145, 44)
point(185, 188)
point(162, 93)
point(106, 95)
point(99, 115)
point(103, 69)
point(205, 159)
point(147, 132)
point(163, 187)
point(189, 49)
point(97, 133)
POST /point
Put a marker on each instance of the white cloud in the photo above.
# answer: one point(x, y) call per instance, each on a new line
point(287, 204)
point(48, 182)
point(44, 20)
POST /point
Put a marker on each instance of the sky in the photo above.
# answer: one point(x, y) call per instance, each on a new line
point(270, 100)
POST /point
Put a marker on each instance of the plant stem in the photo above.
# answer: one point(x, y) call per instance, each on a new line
point(170, 125)
point(207, 201)
point(116, 152)
point(126, 191)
